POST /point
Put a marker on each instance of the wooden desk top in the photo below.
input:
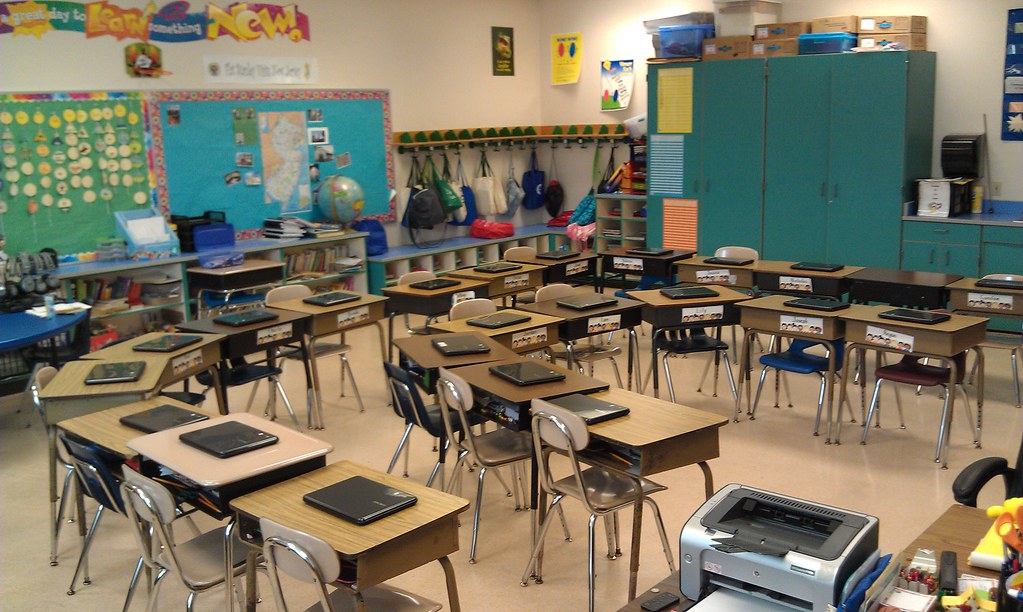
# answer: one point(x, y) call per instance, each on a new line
point(489, 276)
point(675, 255)
point(479, 376)
point(869, 314)
point(421, 350)
point(776, 303)
point(537, 261)
point(69, 382)
point(464, 284)
point(785, 267)
point(655, 299)
point(123, 351)
point(551, 308)
point(904, 277)
point(209, 326)
point(283, 503)
point(104, 428)
point(959, 529)
point(700, 261)
point(651, 420)
point(297, 305)
point(536, 320)
point(970, 284)
point(164, 448)
point(945, 339)
point(246, 266)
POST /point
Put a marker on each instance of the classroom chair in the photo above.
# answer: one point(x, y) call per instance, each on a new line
point(734, 252)
point(54, 352)
point(975, 476)
point(589, 353)
point(241, 372)
point(601, 491)
point(408, 278)
point(475, 307)
point(311, 560)
point(317, 348)
point(695, 341)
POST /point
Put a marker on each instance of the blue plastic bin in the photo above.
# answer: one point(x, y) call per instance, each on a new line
point(144, 252)
point(684, 41)
point(826, 42)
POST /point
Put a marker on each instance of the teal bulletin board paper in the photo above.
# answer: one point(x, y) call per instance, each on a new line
point(201, 137)
point(68, 161)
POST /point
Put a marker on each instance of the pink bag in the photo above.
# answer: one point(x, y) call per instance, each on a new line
point(582, 233)
point(481, 228)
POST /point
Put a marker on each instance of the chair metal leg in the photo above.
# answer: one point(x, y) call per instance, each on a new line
point(943, 429)
point(969, 416)
point(476, 515)
point(287, 404)
point(69, 482)
point(661, 532)
point(667, 377)
point(618, 376)
point(703, 377)
point(500, 479)
point(355, 387)
point(870, 412)
point(1014, 360)
point(731, 379)
point(609, 534)
point(155, 591)
point(131, 585)
point(820, 404)
point(397, 451)
point(538, 545)
point(756, 398)
point(590, 562)
point(83, 559)
point(564, 523)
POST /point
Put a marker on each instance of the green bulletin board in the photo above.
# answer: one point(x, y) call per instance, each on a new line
point(68, 162)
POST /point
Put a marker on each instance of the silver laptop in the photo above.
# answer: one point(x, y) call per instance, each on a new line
point(590, 409)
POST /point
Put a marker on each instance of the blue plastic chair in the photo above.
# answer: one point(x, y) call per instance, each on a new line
point(797, 361)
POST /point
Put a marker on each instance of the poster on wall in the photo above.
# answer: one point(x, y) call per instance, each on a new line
point(255, 70)
point(282, 140)
point(502, 51)
point(1012, 105)
point(616, 81)
point(566, 56)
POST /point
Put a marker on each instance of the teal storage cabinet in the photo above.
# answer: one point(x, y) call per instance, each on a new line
point(941, 247)
point(1001, 252)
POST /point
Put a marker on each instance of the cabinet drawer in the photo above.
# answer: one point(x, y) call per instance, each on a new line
point(945, 233)
point(1008, 235)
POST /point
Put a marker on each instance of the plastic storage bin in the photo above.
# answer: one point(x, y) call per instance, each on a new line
point(150, 250)
point(826, 42)
point(684, 41)
point(185, 225)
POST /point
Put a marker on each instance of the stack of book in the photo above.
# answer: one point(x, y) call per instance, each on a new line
point(282, 228)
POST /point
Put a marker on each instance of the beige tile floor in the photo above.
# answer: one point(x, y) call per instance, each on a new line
point(892, 477)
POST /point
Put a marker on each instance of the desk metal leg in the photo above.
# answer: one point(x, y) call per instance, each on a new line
point(390, 336)
point(449, 579)
point(744, 375)
point(251, 559)
point(229, 563)
point(843, 395)
point(944, 432)
point(312, 394)
point(218, 389)
point(980, 392)
point(708, 479)
point(634, 359)
point(637, 528)
point(383, 338)
point(829, 382)
point(653, 358)
point(51, 434)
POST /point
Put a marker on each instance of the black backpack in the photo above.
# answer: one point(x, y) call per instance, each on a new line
point(424, 209)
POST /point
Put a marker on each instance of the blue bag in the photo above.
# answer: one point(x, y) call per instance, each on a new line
point(468, 197)
point(376, 242)
point(533, 184)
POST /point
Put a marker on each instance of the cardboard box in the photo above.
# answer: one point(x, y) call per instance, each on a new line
point(841, 23)
point(726, 48)
point(893, 24)
point(737, 17)
point(911, 42)
point(768, 31)
point(943, 197)
point(778, 47)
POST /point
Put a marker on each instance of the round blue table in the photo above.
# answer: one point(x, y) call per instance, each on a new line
point(19, 329)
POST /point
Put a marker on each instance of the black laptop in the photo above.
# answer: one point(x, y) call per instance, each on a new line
point(688, 293)
point(816, 267)
point(813, 303)
point(648, 251)
point(452, 346)
point(590, 409)
point(498, 320)
point(240, 319)
point(586, 301)
point(500, 266)
point(106, 373)
point(332, 298)
point(526, 373)
point(166, 343)
point(161, 418)
point(728, 261)
point(359, 500)
point(434, 283)
point(556, 255)
point(999, 283)
point(909, 315)
point(227, 439)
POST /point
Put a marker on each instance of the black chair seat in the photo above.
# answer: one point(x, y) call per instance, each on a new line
point(691, 344)
point(240, 375)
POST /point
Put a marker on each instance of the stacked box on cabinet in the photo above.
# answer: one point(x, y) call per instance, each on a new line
point(738, 17)
point(906, 32)
point(684, 40)
point(727, 48)
point(778, 39)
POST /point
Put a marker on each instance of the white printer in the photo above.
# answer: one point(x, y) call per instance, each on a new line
point(795, 553)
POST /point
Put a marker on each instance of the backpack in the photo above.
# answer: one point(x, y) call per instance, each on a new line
point(513, 193)
point(467, 196)
point(424, 208)
point(376, 242)
point(533, 184)
point(554, 196)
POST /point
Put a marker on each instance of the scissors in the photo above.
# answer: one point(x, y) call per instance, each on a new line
point(1007, 527)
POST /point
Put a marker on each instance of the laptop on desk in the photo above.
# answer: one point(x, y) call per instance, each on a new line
point(500, 266)
point(498, 320)
point(926, 317)
point(434, 284)
point(227, 439)
point(526, 373)
point(107, 373)
point(728, 261)
point(332, 298)
point(590, 409)
point(161, 418)
point(241, 319)
point(999, 283)
point(556, 255)
point(648, 251)
point(166, 343)
point(587, 301)
point(688, 293)
point(359, 500)
point(460, 345)
point(816, 267)
point(814, 303)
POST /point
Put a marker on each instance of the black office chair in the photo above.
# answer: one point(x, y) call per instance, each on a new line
point(975, 476)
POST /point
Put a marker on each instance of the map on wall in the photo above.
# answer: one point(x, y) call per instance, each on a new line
point(285, 160)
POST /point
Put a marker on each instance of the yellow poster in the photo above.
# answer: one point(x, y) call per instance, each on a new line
point(675, 101)
point(566, 58)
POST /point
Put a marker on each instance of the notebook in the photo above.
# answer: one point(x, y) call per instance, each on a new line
point(688, 293)
point(434, 283)
point(359, 500)
point(590, 409)
point(557, 254)
point(500, 266)
point(460, 345)
point(161, 418)
point(104, 373)
point(647, 251)
point(227, 439)
point(248, 317)
point(329, 299)
point(817, 304)
point(999, 283)
point(909, 315)
point(728, 261)
point(587, 301)
point(816, 267)
point(526, 373)
point(498, 320)
point(166, 343)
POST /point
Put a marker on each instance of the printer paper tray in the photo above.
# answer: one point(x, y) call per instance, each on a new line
point(727, 600)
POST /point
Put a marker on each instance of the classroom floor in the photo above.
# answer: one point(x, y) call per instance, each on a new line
point(893, 477)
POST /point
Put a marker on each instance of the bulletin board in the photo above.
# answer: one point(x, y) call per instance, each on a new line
point(68, 162)
point(260, 154)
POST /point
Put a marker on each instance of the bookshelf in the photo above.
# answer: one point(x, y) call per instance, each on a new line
point(621, 221)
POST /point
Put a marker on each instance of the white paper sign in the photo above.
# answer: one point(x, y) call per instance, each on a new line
point(795, 283)
point(596, 325)
point(260, 70)
point(992, 301)
point(627, 263)
point(274, 334)
point(183, 363)
point(702, 313)
point(353, 316)
point(813, 326)
point(461, 296)
point(715, 276)
point(890, 339)
point(576, 267)
point(516, 280)
point(529, 337)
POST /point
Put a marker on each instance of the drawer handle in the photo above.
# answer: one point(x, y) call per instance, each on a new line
point(932, 257)
point(940, 231)
point(948, 258)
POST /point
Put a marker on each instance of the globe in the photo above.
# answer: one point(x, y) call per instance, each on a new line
point(340, 199)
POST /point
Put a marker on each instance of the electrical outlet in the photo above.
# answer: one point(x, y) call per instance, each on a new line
point(996, 188)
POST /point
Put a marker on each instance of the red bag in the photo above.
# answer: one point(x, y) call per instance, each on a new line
point(481, 228)
point(561, 220)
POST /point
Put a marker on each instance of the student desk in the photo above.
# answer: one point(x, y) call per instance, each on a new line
point(529, 336)
point(222, 480)
point(779, 277)
point(511, 282)
point(250, 275)
point(697, 270)
point(664, 314)
point(966, 296)
point(901, 287)
point(177, 365)
point(424, 356)
point(619, 261)
point(864, 330)
point(583, 265)
point(579, 324)
point(370, 554)
point(769, 315)
point(331, 320)
point(409, 300)
point(239, 342)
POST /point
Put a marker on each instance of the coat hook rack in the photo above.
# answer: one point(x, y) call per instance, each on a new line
point(553, 135)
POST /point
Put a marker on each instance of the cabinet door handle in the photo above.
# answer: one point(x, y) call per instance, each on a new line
point(931, 261)
point(824, 188)
point(834, 194)
point(706, 186)
point(696, 185)
point(948, 258)
point(941, 231)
